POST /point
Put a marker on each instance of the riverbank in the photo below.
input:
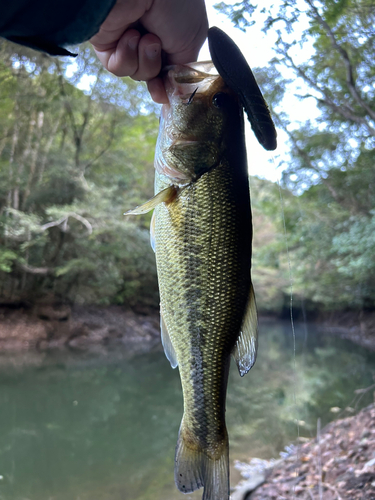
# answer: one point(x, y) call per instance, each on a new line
point(45, 327)
point(338, 464)
point(359, 327)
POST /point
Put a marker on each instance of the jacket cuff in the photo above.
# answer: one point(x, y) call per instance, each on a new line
point(50, 26)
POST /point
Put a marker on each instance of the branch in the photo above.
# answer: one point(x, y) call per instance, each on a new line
point(332, 488)
point(43, 162)
point(67, 104)
point(64, 221)
point(342, 109)
point(104, 150)
point(35, 270)
point(53, 224)
point(84, 221)
point(89, 103)
point(345, 112)
point(307, 159)
point(345, 57)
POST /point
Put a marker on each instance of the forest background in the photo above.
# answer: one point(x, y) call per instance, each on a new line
point(73, 161)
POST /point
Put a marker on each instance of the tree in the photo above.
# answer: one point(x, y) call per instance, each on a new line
point(71, 162)
point(331, 167)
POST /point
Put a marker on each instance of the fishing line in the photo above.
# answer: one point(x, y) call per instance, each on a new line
point(291, 315)
point(304, 347)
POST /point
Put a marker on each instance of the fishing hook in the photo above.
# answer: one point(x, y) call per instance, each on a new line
point(192, 97)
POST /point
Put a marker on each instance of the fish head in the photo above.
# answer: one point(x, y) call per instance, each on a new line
point(193, 125)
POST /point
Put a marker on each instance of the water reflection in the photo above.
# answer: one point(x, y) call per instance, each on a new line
point(105, 428)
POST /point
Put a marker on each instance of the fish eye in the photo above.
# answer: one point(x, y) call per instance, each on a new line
point(220, 100)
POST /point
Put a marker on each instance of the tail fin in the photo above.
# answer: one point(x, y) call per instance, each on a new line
point(194, 469)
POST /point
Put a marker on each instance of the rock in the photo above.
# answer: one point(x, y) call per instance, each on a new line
point(51, 326)
point(243, 490)
point(53, 312)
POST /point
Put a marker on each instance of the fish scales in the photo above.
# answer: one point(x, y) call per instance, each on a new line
point(203, 253)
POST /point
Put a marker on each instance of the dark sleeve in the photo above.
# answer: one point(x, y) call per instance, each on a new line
point(49, 25)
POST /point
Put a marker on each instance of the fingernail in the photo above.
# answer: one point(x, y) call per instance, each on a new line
point(153, 51)
point(133, 42)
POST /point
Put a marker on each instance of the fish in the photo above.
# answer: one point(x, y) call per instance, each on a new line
point(201, 232)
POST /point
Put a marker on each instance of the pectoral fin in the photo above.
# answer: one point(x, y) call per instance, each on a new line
point(167, 344)
point(245, 350)
point(165, 195)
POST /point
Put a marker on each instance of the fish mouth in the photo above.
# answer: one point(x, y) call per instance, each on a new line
point(182, 80)
point(166, 142)
point(183, 142)
point(193, 70)
point(182, 83)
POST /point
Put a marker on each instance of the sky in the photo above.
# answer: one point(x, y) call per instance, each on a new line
point(257, 49)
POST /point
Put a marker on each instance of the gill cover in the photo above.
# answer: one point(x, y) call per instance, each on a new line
point(233, 68)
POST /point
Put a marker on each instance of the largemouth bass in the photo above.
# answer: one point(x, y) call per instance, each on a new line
point(201, 232)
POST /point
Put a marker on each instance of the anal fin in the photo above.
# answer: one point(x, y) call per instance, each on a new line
point(167, 343)
point(245, 350)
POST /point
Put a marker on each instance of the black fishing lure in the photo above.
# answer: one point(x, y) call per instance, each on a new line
point(233, 68)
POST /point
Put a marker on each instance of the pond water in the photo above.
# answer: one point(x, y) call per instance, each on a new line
point(104, 427)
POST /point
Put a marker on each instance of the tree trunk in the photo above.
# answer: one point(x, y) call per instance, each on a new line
point(22, 164)
point(15, 136)
point(34, 155)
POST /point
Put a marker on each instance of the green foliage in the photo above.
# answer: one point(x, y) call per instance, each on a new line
point(71, 163)
point(269, 269)
point(239, 12)
point(330, 250)
point(330, 220)
point(355, 258)
point(6, 259)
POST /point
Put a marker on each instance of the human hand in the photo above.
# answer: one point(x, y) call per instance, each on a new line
point(139, 36)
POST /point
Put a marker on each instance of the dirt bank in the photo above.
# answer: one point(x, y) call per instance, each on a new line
point(47, 326)
point(359, 327)
point(338, 464)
